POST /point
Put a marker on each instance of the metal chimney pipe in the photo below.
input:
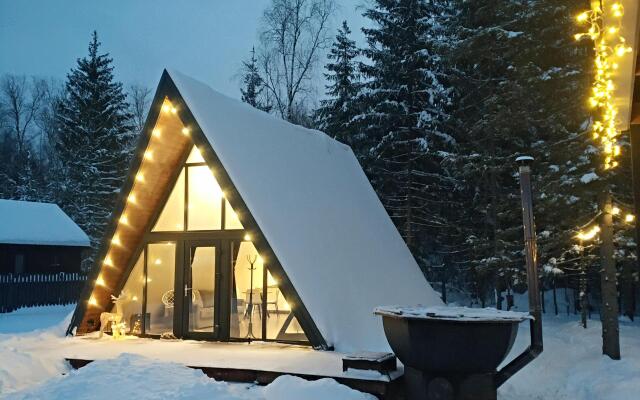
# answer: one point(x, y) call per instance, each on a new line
point(535, 325)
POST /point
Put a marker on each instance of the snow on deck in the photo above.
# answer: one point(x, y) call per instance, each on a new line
point(453, 313)
point(26, 222)
point(257, 356)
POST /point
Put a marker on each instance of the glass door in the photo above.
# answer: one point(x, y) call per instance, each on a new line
point(201, 290)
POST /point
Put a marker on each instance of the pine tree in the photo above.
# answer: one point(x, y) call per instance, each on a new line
point(407, 148)
point(252, 92)
point(494, 108)
point(335, 113)
point(92, 142)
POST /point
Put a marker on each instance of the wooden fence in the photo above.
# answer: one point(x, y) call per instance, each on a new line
point(18, 291)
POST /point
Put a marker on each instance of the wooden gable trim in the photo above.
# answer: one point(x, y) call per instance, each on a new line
point(167, 89)
point(85, 319)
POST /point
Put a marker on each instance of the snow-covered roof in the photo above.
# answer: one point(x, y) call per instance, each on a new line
point(26, 222)
point(319, 213)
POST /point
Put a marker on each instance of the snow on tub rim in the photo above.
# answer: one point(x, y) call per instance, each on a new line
point(462, 314)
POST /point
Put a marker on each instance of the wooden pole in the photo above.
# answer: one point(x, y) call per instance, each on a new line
point(609, 308)
point(583, 288)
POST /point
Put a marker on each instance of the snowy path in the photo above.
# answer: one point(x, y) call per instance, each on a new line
point(571, 367)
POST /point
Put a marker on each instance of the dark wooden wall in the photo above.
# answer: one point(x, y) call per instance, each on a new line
point(40, 259)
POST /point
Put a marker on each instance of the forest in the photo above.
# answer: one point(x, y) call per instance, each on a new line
point(436, 106)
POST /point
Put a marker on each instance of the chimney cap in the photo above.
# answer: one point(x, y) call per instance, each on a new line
point(524, 160)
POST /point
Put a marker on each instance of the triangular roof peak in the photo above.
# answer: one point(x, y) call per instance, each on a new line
point(311, 209)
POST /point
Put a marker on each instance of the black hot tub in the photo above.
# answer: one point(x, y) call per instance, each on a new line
point(450, 352)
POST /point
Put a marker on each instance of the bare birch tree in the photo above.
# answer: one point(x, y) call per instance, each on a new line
point(139, 99)
point(292, 36)
point(21, 102)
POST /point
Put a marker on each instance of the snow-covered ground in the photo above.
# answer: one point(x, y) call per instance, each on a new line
point(30, 370)
point(571, 367)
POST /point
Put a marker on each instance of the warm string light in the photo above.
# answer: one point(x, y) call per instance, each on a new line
point(588, 235)
point(591, 233)
point(608, 45)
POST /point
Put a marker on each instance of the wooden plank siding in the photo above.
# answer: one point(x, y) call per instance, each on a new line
point(166, 150)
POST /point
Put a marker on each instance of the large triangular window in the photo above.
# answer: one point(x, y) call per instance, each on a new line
point(196, 201)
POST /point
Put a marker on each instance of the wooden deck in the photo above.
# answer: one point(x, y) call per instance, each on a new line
point(257, 362)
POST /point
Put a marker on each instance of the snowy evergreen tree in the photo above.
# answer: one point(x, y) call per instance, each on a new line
point(92, 142)
point(335, 113)
point(253, 86)
point(521, 85)
point(407, 148)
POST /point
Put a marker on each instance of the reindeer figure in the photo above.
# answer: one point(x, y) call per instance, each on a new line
point(107, 318)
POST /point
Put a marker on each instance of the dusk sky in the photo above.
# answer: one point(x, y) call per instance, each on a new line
point(204, 39)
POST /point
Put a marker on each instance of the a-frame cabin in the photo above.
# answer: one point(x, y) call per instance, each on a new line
point(234, 225)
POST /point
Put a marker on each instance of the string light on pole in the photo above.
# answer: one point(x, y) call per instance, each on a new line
point(609, 45)
point(588, 235)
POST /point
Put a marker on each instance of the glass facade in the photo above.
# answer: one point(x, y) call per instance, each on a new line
point(201, 290)
point(133, 293)
point(259, 309)
point(197, 239)
point(161, 264)
point(172, 215)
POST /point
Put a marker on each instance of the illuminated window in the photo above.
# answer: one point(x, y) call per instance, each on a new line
point(249, 295)
point(195, 156)
point(161, 262)
point(231, 220)
point(133, 291)
point(205, 200)
point(172, 216)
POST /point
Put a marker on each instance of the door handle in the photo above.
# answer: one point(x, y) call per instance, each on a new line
point(186, 288)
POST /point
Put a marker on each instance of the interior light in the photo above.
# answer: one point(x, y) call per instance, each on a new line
point(185, 131)
point(173, 110)
point(247, 237)
point(158, 261)
point(166, 108)
point(134, 298)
